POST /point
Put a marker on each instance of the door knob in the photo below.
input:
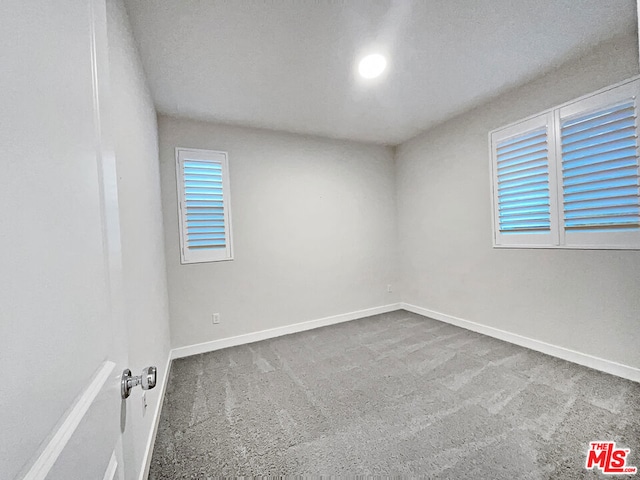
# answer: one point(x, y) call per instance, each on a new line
point(147, 380)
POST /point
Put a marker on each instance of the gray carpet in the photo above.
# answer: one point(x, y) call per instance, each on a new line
point(394, 394)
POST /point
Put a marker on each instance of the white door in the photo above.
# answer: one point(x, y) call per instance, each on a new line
point(62, 341)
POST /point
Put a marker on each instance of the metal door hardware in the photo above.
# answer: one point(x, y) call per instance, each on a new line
point(147, 380)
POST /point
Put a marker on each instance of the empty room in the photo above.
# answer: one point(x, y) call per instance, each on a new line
point(319, 238)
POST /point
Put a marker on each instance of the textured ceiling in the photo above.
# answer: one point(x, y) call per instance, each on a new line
point(291, 64)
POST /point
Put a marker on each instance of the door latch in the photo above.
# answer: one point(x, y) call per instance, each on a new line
point(147, 380)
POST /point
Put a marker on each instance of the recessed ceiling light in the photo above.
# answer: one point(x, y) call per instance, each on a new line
point(372, 66)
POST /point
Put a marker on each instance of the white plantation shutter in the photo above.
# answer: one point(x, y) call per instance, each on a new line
point(599, 155)
point(523, 183)
point(570, 177)
point(203, 191)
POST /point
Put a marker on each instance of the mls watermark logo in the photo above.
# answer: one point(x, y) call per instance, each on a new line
point(609, 459)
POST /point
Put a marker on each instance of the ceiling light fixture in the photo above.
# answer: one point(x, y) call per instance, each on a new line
point(372, 66)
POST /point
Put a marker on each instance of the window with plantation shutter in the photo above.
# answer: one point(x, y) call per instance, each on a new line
point(569, 178)
point(204, 206)
point(599, 163)
point(523, 183)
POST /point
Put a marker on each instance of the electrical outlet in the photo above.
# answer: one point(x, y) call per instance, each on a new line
point(215, 318)
point(389, 289)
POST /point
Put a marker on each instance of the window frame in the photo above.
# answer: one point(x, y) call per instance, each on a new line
point(189, 256)
point(560, 238)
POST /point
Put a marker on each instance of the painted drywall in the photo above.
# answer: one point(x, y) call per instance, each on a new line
point(583, 300)
point(313, 231)
point(142, 236)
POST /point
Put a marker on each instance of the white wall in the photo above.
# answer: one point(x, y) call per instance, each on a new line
point(313, 228)
point(583, 300)
point(142, 238)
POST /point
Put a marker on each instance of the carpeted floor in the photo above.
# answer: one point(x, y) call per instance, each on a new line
point(394, 394)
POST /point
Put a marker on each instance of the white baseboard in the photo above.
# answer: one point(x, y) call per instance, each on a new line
point(607, 366)
point(279, 331)
point(146, 460)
